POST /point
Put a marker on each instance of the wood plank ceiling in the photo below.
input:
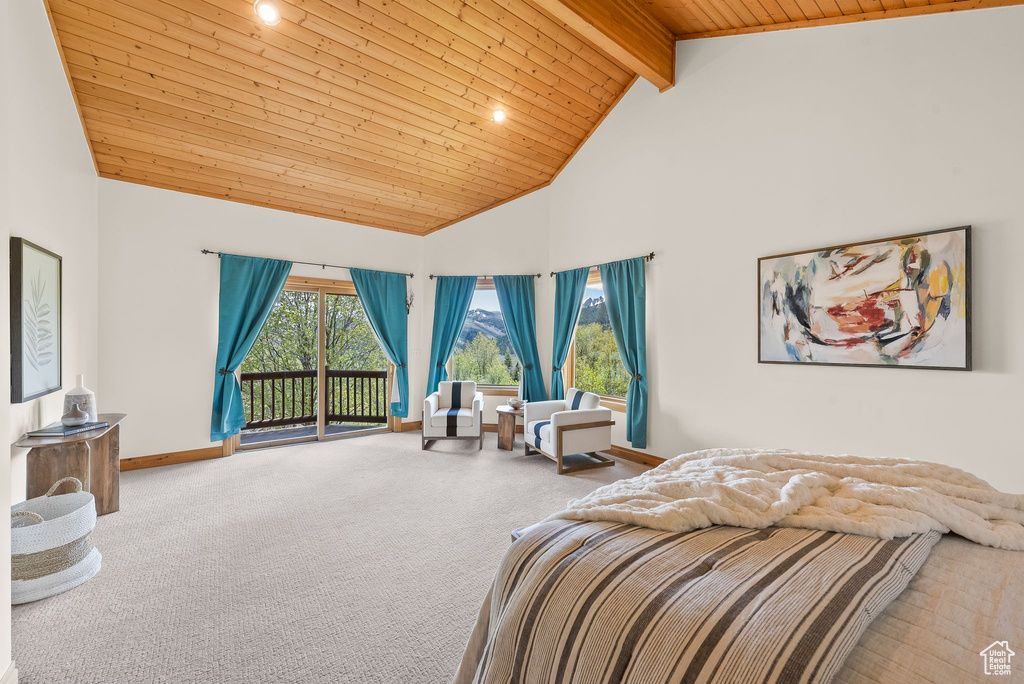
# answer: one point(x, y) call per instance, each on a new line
point(688, 19)
point(375, 112)
point(378, 112)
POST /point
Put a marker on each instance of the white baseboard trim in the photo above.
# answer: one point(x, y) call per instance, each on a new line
point(11, 676)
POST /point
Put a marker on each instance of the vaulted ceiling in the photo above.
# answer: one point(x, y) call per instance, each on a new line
point(376, 112)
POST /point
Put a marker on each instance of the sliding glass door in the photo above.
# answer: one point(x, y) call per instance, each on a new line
point(316, 370)
point(356, 368)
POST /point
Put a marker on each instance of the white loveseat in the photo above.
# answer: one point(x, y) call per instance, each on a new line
point(454, 411)
point(570, 431)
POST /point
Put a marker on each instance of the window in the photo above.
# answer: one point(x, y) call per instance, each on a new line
point(350, 342)
point(288, 340)
point(483, 352)
point(597, 366)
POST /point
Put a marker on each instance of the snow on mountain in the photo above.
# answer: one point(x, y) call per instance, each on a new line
point(490, 323)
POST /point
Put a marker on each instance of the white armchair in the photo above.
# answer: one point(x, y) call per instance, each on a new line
point(570, 431)
point(454, 411)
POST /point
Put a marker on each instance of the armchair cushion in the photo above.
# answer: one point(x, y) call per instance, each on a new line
point(456, 395)
point(595, 415)
point(453, 416)
point(541, 410)
point(539, 431)
point(576, 399)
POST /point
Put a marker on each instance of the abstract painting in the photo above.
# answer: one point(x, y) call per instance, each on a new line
point(35, 321)
point(900, 302)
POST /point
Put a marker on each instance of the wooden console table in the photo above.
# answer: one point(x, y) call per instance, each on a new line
point(90, 456)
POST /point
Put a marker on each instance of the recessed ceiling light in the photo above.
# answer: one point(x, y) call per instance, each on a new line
point(267, 11)
point(498, 116)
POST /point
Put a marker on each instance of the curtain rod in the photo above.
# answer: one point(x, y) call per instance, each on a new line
point(645, 257)
point(307, 263)
point(535, 275)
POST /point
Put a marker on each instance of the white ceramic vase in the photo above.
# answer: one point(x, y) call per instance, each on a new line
point(74, 417)
point(85, 399)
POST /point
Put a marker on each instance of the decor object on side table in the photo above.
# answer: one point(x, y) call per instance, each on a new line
point(74, 417)
point(507, 423)
point(35, 321)
point(91, 457)
point(83, 397)
point(63, 430)
point(903, 302)
point(51, 550)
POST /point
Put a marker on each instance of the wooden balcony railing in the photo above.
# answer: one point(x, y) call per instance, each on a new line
point(283, 398)
point(357, 396)
point(279, 398)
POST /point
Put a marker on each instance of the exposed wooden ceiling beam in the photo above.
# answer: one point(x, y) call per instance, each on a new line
point(690, 19)
point(626, 31)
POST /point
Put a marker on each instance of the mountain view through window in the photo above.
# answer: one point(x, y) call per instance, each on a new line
point(599, 367)
point(483, 352)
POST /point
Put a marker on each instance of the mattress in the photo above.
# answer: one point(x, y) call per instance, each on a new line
point(963, 599)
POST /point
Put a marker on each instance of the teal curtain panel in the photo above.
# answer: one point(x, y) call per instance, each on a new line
point(248, 289)
point(383, 298)
point(625, 292)
point(517, 300)
point(452, 297)
point(569, 289)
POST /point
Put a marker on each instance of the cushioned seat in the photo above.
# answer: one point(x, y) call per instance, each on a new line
point(462, 417)
point(538, 430)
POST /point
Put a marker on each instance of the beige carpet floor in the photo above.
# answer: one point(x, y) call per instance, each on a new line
point(359, 560)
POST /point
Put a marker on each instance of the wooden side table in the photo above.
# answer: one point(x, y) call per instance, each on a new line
point(507, 426)
point(92, 457)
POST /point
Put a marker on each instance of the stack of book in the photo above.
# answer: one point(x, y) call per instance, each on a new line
point(61, 430)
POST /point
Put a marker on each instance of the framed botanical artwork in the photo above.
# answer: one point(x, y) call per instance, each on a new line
point(35, 321)
point(900, 302)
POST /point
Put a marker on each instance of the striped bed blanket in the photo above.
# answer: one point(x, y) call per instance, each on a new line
point(608, 602)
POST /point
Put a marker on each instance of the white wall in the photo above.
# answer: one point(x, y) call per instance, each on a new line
point(6, 60)
point(159, 299)
point(801, 139)
point(48, 197)
point(52, 203)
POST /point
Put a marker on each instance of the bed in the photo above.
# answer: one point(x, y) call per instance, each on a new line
point(761, 566)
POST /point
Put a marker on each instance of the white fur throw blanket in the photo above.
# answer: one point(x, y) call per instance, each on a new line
point(753, 488)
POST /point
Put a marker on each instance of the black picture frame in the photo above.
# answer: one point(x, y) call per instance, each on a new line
point(43, 351)
point(968, 360)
